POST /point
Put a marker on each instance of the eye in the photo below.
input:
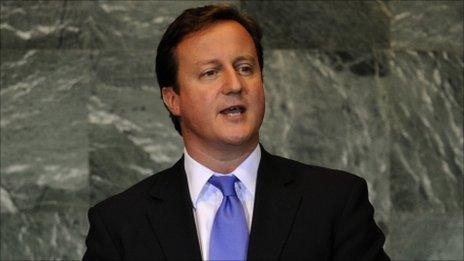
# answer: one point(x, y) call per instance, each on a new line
point(209, 74)
point(245, 69)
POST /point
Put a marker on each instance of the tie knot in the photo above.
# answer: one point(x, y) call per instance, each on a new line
point(226, 184)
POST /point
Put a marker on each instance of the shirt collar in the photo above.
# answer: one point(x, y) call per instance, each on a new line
point(198, 175)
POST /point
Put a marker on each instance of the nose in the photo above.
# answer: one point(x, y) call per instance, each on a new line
point(232, 82)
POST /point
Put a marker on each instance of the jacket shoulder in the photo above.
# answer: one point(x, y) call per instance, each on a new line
point(317, 172)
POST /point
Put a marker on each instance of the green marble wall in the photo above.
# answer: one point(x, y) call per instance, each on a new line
point(374, 88)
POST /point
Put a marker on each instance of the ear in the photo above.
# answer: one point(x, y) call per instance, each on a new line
point(171, 100)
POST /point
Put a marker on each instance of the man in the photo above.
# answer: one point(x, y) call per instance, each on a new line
point(227, 198)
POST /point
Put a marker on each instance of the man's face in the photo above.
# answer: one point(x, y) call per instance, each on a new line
point(221, 97)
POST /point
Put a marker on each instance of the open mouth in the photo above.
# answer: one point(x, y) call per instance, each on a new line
point(234, 110)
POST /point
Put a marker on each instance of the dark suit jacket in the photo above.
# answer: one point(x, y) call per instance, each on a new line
point(301, 212)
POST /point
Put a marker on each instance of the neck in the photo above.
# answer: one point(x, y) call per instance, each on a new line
point(221, 159)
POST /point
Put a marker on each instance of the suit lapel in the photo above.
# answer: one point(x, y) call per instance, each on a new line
point(172, 217)
point(276, 203)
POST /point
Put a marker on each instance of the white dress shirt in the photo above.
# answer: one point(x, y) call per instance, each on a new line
point(206, 198)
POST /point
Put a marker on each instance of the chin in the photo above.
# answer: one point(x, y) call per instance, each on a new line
point(235, 142)
point(238, 140)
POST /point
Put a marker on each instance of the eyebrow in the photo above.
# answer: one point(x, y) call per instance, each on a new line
point(216, 61)
point(245, 57)
point(207, 62)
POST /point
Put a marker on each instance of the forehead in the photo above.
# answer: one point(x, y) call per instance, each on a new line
point(219, 39)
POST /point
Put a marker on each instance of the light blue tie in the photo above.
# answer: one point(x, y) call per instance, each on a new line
point(229, 235)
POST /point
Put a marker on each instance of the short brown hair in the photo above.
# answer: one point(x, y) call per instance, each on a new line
point(190, 21)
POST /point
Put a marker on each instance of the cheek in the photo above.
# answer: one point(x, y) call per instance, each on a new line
point(197, 109)
point(258, 93)
point(259, 100)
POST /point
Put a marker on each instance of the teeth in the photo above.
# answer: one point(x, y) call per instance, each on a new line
point(233, 111)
